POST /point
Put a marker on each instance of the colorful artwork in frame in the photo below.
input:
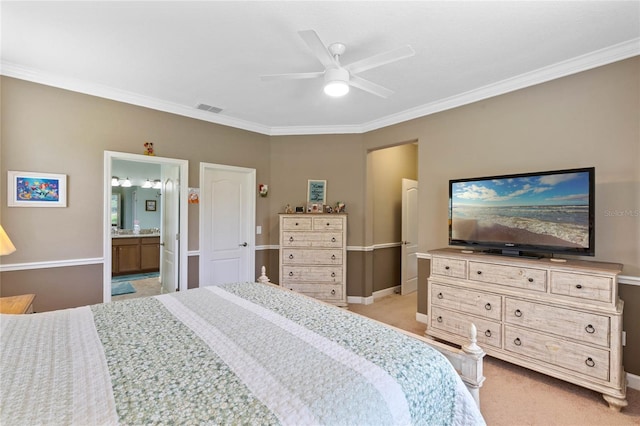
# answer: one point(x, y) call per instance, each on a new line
point(30, 189)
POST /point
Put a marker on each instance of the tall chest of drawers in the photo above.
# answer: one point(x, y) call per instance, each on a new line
point(560, 319)
point(313, 255)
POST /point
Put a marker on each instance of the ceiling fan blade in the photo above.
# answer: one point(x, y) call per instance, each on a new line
point(380, 59)
point(292, 76)
point(370, 87)
point(318, 48)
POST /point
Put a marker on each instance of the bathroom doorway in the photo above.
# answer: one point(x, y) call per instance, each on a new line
point(146, 227)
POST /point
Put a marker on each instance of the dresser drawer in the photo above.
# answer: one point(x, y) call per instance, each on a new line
point(511, 276)
point(298, 223)
point(311, 257)
point(312, 239)
point(489, 332)
point(581, 286)
point(326, 292)
point(469, 301)
point(583, 359)
point(448, 267)
point(311, 274)
point(582, 326)
point(328, 223)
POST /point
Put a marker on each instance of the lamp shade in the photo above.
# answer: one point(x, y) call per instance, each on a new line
point(6, 246)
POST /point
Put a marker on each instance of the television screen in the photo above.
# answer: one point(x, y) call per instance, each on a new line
point(548, 212)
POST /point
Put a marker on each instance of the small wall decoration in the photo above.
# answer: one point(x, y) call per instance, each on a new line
point(194, 195)
point(148, 148)
point(317, 191)
point(263, 190)
point(150, 205)
point(31, 189)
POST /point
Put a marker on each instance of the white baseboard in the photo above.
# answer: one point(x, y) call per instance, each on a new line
point(633, 381)
point(376, 295)
point(360, 300)
point(421, 317)
point(386, 292)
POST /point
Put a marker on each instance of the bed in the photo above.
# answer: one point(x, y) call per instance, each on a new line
point(239, 353)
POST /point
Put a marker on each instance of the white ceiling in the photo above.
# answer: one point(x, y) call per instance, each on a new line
point(171, 56)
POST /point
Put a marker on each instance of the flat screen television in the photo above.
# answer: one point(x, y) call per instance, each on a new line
point(525, 214)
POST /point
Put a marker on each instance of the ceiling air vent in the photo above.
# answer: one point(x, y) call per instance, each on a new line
point(209, 108)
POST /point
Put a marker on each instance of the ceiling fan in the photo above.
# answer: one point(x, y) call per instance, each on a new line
point(339, 77)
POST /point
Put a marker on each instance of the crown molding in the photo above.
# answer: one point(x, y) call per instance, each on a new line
point(106, 92)
point(575, 65)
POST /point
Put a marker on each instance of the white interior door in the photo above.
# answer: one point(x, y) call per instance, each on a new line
point(409, 268)
point(170, 237)
point(227, 221)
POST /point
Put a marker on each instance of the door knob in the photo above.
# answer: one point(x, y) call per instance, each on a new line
point(242, 245)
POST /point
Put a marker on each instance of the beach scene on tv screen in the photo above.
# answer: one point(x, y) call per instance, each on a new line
point(542, 210)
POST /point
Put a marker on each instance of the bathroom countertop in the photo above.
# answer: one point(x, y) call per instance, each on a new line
point(135, 236)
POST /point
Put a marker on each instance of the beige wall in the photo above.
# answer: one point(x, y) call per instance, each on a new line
point(45, 129)
point(587, 119)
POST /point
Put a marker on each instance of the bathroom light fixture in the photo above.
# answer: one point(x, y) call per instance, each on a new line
point(336, 82)
point(115, 181)
point(147, 184)
point(157, 184)
point(126, 183)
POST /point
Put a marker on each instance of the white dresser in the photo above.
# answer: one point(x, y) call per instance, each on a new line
point(313, 255)
point(560, 319)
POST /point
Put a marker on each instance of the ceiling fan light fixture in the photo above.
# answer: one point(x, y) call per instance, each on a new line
point(336, 82)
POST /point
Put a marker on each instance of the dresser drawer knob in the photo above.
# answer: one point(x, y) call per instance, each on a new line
point(333, 257)
point(333, 274)
point(291, 274)
point(578, 286)
point(290, 239)
point(291, 256)
point(333, 240)
point(328, 224)
point(439, 319)
point(530, 280)
point(517, 313)
point(446, 268)
point(479, 272)
point(487, 333)
point(590, 362)
point(333, 292)
point(590, 329)
point(440, 295)
point(517, 342)
point(487, 306)
point(296, 223)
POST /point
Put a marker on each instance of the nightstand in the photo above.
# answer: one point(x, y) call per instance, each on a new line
point(22, 304)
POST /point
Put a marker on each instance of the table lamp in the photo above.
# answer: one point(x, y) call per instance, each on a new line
point(6, 246)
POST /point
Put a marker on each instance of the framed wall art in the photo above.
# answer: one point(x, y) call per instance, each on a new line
point(150, 205)
point(32, 189)
point(317, 191)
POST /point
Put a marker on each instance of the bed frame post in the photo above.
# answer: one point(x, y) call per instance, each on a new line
point(467, 361)
point(472, 373)
point(263, 276)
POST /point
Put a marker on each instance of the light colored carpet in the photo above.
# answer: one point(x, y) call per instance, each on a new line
point(512, 395)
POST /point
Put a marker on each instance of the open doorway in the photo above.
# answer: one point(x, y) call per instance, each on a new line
point(154, 216)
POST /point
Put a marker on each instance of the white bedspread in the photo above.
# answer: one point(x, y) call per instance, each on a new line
point(237, 353)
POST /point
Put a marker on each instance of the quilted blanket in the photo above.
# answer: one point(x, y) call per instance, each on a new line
point(242, 353)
